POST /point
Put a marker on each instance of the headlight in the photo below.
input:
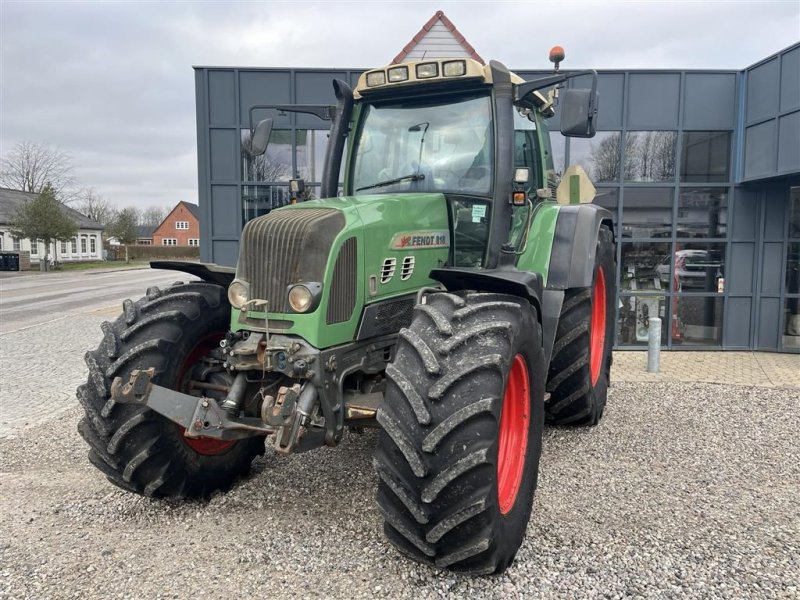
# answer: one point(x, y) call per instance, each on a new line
point(300, 298)
point(237, 293)
point(304, 297)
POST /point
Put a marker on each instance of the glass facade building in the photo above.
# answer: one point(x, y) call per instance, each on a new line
point(701, 170)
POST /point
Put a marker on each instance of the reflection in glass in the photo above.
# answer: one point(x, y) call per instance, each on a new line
point(698, 321)
point(793, 268)
point(258, 200)
point(558, 145)
point(645, 266)
point(426, 145)
point(702, 212)
point(791, 327)
point(647, 212)
point(699, 267)
point(705, 156)
point(794, 212)
point(608, 198)
point(310, 153)
point(650, 155)
point(634, 318)
point(599, 156)
point(275, 164)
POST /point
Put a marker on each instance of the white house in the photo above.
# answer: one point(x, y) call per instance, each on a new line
point(86, 245)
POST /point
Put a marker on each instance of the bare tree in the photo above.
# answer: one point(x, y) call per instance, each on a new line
point(605, 159)
point(650, 156)
point(31, 165)
point(94, 206)
point(152, 216)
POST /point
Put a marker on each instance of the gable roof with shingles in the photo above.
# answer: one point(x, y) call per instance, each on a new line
point(192, 208)
point(438, 38)
point(145, 231)
point(12, 200)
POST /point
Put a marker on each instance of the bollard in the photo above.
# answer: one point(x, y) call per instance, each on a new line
point(653, 345)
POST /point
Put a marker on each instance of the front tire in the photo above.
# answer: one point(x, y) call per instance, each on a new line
point(580, 368)
point(462, 420)
point(136, 448)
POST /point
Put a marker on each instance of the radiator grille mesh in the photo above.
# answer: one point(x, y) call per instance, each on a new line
point(342, 299)
point(284, 247)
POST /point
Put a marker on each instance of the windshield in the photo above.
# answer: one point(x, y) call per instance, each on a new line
point(425, 146)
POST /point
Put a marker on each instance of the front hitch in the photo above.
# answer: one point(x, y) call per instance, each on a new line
point(198, 416)
point(289, 415)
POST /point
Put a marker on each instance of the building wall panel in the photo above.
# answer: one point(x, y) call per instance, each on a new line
point(709, 101)
point(789, 143)
point(790, 80)
point(221, 97)
point(653, 100)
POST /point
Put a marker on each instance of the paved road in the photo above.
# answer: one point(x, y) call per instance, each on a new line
point(47, 323)
point(30, 300)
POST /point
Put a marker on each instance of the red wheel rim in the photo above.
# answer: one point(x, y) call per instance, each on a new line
point(202, 445)
point(597, 334)
point(511, 448)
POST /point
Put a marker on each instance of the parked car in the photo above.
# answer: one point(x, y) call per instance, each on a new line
point(696, 270)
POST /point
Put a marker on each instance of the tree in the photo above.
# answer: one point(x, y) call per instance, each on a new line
point(43, 218)
point(152, 217)
point(94, 206)
point(32, 165)
point(124, 227)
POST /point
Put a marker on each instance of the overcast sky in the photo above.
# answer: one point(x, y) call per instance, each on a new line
point(111, 83)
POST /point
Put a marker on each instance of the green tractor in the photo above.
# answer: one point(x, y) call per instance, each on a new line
point(451, 295)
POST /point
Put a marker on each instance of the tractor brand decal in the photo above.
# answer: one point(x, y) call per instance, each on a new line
point(421, 239)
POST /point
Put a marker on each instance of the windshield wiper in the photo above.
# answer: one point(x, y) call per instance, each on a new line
point(412, 177)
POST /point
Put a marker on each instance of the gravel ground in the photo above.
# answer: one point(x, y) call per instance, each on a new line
point(684, 490)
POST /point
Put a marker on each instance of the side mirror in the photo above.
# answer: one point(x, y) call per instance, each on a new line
point(578, 113)
point(256, 143)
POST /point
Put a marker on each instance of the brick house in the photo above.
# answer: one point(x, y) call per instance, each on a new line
point(181, 227)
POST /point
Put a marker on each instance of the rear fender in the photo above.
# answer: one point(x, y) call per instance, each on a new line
point(574, 245)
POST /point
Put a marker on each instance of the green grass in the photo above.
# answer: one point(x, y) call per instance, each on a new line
point(102, 264)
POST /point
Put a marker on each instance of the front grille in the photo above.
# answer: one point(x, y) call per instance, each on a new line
point(342, 299)
point(285, 247)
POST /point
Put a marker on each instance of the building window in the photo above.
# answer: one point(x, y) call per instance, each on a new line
point(702, 212)
point(194, 241)
point(93, 244)
point(599, 156)
point(15, 244)
point(2, 235)
point(34, 247)
point(181, 224)
point(74, 245)
point(63, 247)
point(647, 212)
point(310, 153)
point(275, 164)
point(650, 155)
point(169, 242)
point(705, 156)
point(83, 244)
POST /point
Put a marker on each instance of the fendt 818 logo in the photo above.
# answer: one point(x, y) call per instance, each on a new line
point(421, 239)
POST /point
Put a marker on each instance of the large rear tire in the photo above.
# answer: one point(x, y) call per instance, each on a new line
point(458, 456)
point(581, 364)
point(136, 448)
